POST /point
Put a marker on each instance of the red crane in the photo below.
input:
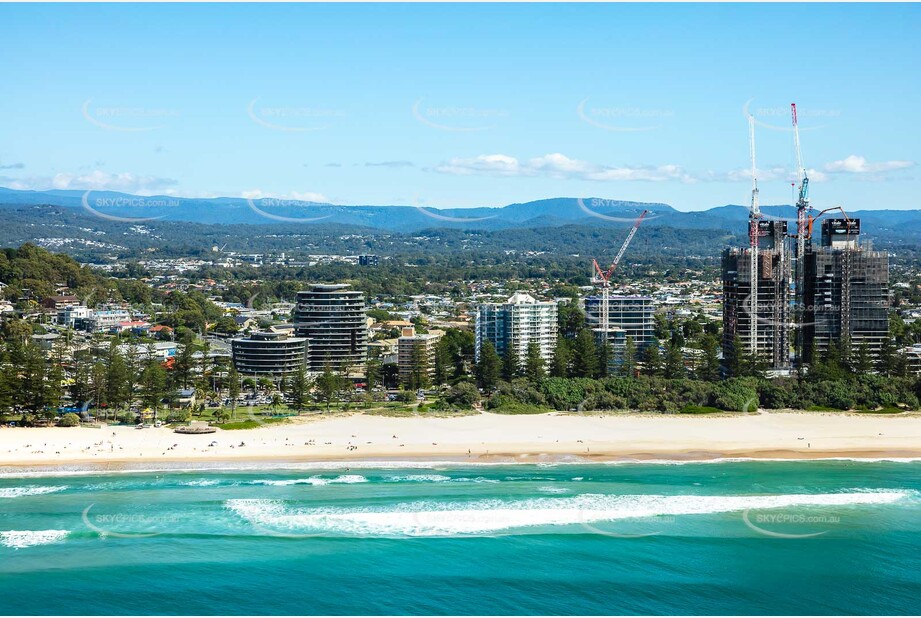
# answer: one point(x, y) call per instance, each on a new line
point(604, 276)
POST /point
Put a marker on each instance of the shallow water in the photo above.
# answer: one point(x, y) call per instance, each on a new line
point(821, 537)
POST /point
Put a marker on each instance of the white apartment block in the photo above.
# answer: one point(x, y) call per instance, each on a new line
point(516, 323)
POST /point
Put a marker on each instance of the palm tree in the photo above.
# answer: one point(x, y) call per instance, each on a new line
point(276, 401)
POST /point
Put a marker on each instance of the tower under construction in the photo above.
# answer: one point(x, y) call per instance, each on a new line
point(755, 296)
point(756, 282)
point(845, 292)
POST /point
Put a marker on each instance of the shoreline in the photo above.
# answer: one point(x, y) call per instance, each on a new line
point(483, 439)
point(79, 468)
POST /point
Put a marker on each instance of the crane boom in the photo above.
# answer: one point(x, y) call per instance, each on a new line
point(605, 276)
point(800, 167)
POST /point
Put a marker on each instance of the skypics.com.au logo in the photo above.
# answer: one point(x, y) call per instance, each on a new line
point(457, 118)
point(292, 119)
point(123, 208)
point(131, 119)
point(624, 119)
point(291, 206)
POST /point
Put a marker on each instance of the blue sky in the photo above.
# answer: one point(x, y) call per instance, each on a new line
point(462, 105)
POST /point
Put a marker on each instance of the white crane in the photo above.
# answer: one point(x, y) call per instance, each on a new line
point(802, 206)
point(754, 217)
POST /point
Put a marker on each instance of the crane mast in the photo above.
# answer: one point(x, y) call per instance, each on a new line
point(753, 217)
point(604, 276)
point(802, 206)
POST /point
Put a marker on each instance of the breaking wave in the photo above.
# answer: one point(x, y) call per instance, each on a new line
point(347, 479)
point(32, 490)
point(18, 539)
point(501, 516)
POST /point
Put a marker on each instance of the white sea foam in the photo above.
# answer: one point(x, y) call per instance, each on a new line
point(346, 479)
point(18, 539)
point(550, 489)
point(477, 479)
point(201, 483)
point(444, 464)
point(500, 516)
point(32, 490)
point(420, 478)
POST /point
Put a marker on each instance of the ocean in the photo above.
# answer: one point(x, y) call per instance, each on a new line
point(730, 537)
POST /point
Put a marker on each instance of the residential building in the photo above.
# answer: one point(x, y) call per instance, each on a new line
point(632, 314)
point(756, 306)
point(333, 319)
point(416, 356)
point(268, 353)
point(106, 320)
point(846, 291)
point(70, 314)
point(60, 302)
point(515, 324)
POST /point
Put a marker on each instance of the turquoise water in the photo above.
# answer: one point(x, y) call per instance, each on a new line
point(834, 537)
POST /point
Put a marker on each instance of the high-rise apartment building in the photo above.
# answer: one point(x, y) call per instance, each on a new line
point(632, 314)
point(758, 302)
point(845, 291)
point(333, 319)
point(515, 324)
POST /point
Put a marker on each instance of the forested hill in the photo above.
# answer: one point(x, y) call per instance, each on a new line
point(42, 273)
point(90, 238)
point(553, 212)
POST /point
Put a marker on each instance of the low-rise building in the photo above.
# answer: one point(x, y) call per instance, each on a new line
point(269, 353)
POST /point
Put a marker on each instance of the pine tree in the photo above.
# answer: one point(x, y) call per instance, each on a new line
point(233, 388)
point(733, 358)
point(510, 368)
point(153, 385)
point(605, 357)
point(31, 382)
point(674, 361)
point(628, 366)
point(862, 360)
point(534, 363)
point(584, 355)
point(117, 379)
point(328, 385)
point(652, 359)
point(487, 367)
point(886, 360)
point(709, 368)
point(298, 388)
point(373, 371)
point(559, 363)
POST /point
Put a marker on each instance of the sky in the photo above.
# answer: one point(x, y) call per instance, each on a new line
point(463, 105)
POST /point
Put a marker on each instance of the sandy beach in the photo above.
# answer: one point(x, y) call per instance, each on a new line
point(480, 438)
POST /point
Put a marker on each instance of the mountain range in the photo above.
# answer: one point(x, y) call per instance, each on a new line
point(879, 224)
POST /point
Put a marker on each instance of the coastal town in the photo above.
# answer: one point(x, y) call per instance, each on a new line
point(172, 349)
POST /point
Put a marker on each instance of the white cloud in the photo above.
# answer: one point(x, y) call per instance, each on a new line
point(557, 165)
point(98, 180)
point(859, 165)
point(306, 196)
point(500, 164)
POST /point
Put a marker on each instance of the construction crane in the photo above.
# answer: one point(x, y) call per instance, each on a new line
point(812, 220)
point(802, 206)
point(754, 216)
point(603, 277)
